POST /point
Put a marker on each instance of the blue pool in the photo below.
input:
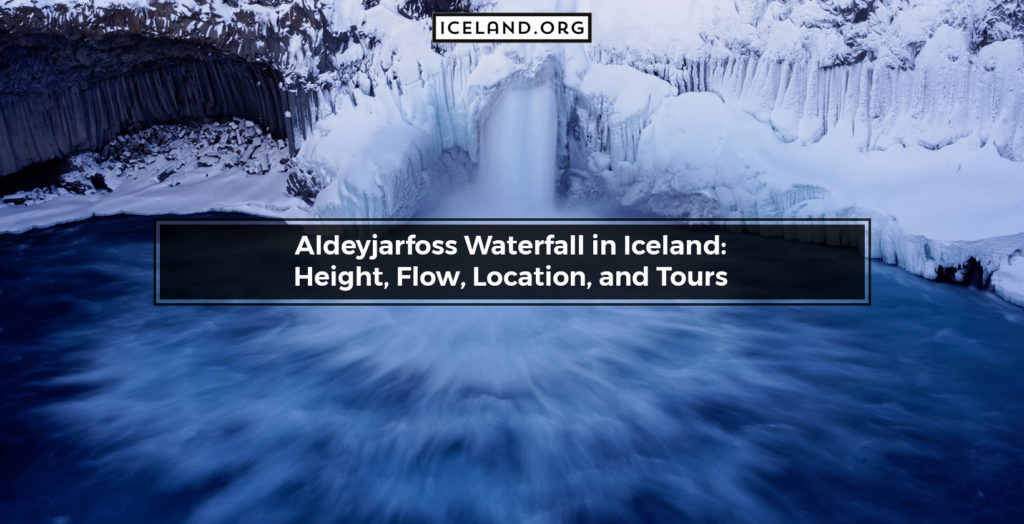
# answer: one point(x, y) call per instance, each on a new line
point(115, 410)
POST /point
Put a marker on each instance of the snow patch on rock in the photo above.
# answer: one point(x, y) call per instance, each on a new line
point(167, 169)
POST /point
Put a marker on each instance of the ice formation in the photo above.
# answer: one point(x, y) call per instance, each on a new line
point(914, 128)
point(905, 112)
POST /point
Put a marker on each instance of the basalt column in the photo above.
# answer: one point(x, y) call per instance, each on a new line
point(59, 96)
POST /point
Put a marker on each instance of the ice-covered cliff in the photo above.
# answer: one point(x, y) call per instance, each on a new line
point(947, 93)
point(905, 111)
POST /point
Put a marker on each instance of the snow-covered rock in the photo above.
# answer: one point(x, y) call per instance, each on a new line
point(613, 106)
point(379, 172)
point(904, 111)
point(947, 94)
point(166, 169)
point(931, 209)
point(1008, 281)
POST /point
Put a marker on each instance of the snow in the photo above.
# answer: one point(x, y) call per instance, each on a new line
point(378, 171)
point(627, 90)
point(702, 157)
point(404, 44)
point(950, 95)
point(613, 104)
point(377, 154)
point(1008, 282)
point(231, 191)
point(491, 69)
point(955, 193)
point(814, 30)
point(764, 108)
point(171, 170)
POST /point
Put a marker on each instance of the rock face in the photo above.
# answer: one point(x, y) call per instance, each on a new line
point(79, 72)
point(79, 75)
point(425, 8)
point(62, 96)
point(293, 37)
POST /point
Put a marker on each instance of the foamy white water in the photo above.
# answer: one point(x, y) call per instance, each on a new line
point(517, 171)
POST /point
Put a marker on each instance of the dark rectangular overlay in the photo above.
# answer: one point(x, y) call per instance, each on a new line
point(815, 262)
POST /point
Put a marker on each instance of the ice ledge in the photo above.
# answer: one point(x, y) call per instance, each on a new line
point(1008, 282)
point(932, 210)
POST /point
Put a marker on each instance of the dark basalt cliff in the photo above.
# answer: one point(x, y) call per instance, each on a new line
point(74, 77)
point(61, 96)
point(249, 34)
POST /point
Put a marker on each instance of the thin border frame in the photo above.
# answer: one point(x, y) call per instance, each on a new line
point(498, 302)
point(434, 40)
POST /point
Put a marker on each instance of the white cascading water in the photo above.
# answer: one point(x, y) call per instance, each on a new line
point(517, 169)
point(517, 154)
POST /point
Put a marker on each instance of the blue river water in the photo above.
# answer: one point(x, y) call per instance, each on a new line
point(114, 410)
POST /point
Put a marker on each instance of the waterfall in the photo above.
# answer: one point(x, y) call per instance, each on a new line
point(517, 154)
point(517, 170)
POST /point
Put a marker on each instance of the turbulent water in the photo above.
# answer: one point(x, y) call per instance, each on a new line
point(116, 410)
